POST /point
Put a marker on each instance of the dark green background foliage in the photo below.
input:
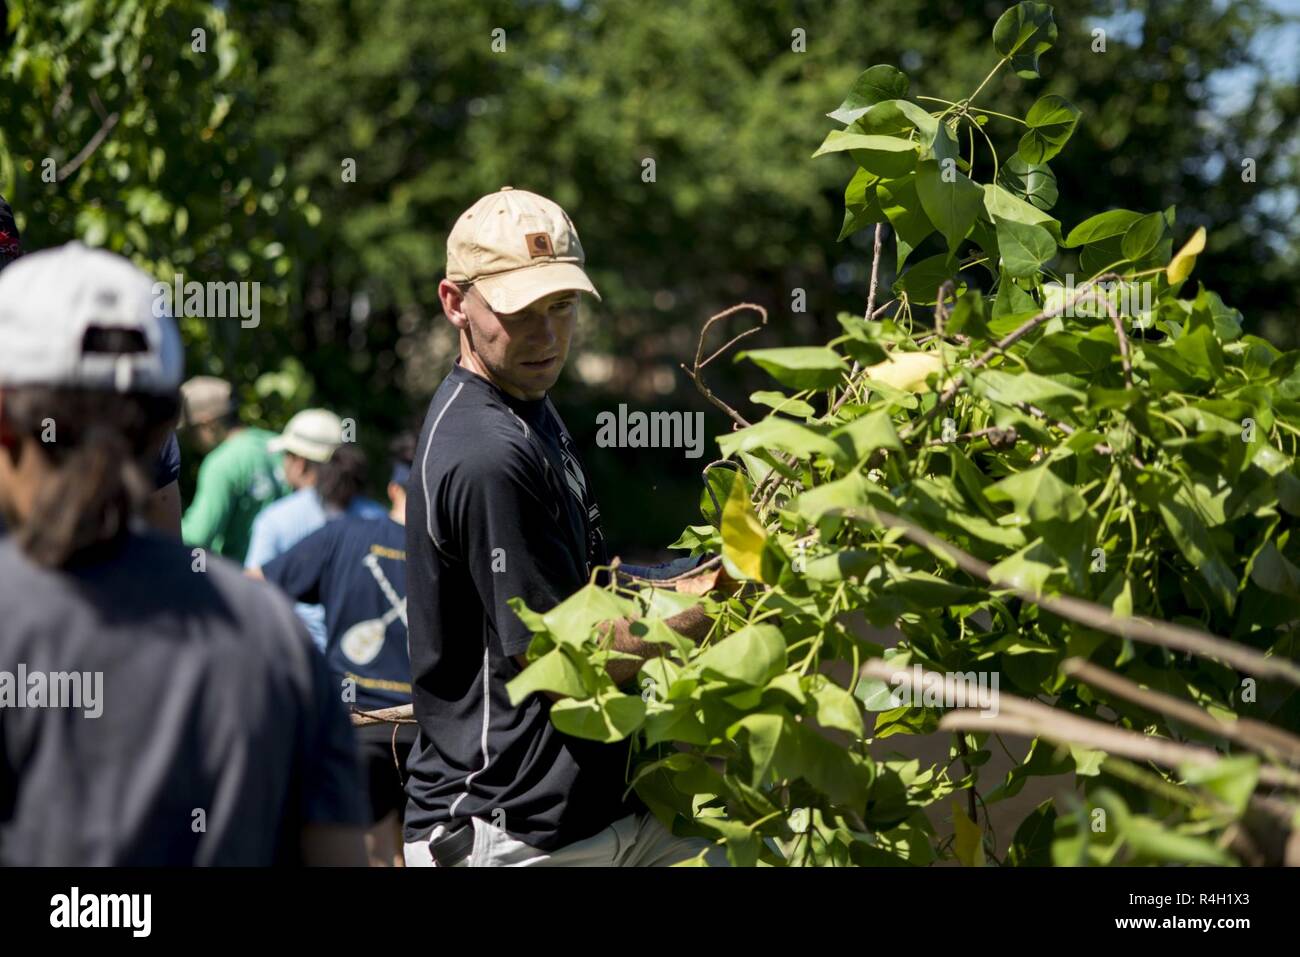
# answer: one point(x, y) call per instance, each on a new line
point(226, 165)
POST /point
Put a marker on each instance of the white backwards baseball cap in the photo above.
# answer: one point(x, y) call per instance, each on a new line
point(516, 247)
point(78, 317)
point(313, 434)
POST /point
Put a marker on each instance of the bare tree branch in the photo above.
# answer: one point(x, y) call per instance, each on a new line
point(700, 363)
point(870, 314)
point(1161, 633)
point(1015, 715)
point(1071, 729)
point(941, 312)
point(875, 271)
point(402, 714)
point(1255, 735)
point(88, 150)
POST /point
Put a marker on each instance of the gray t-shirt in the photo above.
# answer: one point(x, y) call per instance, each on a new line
point(219, 730)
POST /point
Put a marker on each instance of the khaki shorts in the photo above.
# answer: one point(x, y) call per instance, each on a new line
point(638, 840)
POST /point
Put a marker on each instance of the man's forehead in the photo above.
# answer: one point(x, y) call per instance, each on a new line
point(556, 297)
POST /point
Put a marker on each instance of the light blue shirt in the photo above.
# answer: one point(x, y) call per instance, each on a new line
point(283, 524)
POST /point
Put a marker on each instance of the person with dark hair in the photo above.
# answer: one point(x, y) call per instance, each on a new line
point(328, 476)
point(163, 509)
point(356, 568)
point(240, 474)
point(153, 711)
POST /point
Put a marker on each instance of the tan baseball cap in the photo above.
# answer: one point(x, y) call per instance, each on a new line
point(516, 247)
point(205, 398)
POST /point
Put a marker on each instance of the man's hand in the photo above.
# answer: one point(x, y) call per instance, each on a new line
point(693, 623)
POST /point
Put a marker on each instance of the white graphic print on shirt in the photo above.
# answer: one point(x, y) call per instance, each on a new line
point(577, 482)
point(363, 641)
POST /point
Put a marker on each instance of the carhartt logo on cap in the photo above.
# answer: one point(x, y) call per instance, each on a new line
point(539, 244)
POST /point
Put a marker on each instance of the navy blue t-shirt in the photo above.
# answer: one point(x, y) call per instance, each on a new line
point(498, 506)
point(356, 568)
point(168, 467)
point(207, 695)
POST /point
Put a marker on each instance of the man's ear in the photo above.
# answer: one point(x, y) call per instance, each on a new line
point(453, 303)
point(396, 493)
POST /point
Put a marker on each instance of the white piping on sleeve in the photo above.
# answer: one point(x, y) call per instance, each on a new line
point(487, 696)
point(424, 464)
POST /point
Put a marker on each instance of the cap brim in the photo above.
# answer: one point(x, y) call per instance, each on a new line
point(189, 421)
point(303, 448)
point(512, 291)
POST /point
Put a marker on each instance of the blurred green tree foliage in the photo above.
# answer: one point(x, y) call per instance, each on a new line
point(231, 163)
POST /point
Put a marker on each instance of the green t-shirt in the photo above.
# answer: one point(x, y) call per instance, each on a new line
point(237, 480)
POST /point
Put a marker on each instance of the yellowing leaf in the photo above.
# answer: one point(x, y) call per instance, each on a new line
point(906, 370)
point(742, 535)
point(1180, 267)
point(968, 840)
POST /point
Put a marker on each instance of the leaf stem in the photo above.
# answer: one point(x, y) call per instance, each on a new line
point(1005, 116)
point(971, 122)
point(971, 99)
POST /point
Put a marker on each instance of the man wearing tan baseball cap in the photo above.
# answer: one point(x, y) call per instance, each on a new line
point(499, 508)
point(514, 271)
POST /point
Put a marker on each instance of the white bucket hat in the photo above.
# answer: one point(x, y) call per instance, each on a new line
point(313, 434)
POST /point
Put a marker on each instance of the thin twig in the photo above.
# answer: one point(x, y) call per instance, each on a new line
point(731, 342)
point(1115, 321)
point(881, 308)
point(101, 134)
point(870, 314)
point(700, 362)
point(402, 714)
point(1101, 448)
point(716, 317)
point(1010, 338)
point(999, 437)
point(941, 312)
point(1123, 345)
point(875, 270)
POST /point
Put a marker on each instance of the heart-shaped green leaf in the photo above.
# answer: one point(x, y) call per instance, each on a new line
point(1025, 248)
point(1051, 121)
point(950, 200)
point(1023, 33)
point(874, 84)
